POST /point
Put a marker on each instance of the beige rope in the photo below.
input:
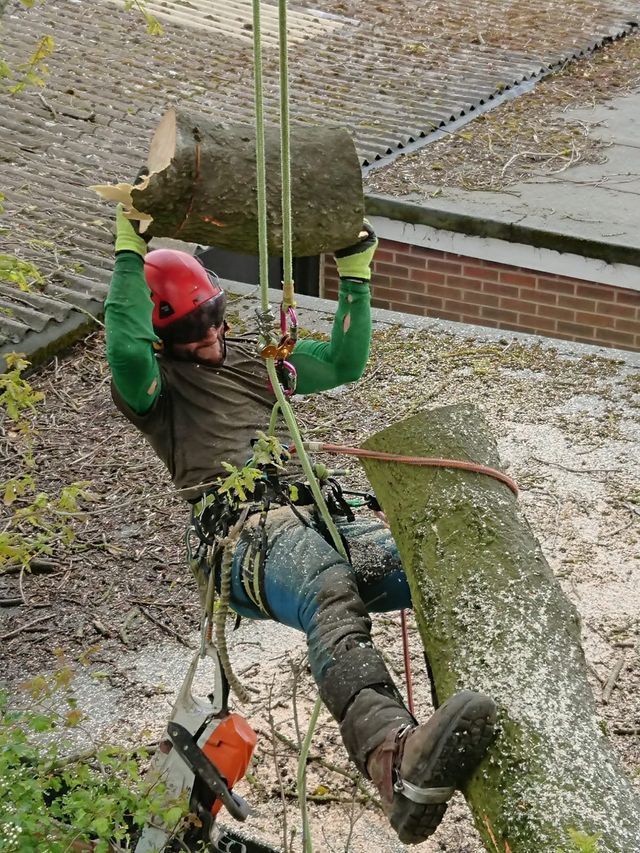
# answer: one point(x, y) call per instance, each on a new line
point(220, 618)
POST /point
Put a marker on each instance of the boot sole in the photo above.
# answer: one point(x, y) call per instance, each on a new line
point(464, 731)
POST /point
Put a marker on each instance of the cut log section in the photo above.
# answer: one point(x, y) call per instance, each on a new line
point(492, 617)
point(202, 186)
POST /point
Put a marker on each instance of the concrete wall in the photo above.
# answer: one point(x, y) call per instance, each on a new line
point(436, 283)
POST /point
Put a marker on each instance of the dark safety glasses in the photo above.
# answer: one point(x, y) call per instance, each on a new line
point(195, 325)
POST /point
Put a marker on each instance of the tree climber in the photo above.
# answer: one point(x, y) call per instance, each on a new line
point(199, 402)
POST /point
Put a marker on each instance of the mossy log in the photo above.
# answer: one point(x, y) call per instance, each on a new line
point(202, 186)
point(492, 617)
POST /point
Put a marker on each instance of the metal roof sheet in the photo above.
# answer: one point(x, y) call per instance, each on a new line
point(392, 73)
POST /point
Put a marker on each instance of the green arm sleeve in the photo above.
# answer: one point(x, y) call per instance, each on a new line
point(327, 364)
point(130, 335)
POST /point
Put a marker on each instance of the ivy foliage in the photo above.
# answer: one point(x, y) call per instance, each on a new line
point(34, 72)
point(55, 801)
point(38, 522)
point(240, 483)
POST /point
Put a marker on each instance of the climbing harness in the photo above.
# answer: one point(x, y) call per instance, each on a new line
point(215, 516)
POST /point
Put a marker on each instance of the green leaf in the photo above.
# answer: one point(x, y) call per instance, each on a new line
point(100, 825)
point(37, 687)
point(580, 842)
point(173, 815)
point(41, 723)
point(154, 27)
point(240, 482)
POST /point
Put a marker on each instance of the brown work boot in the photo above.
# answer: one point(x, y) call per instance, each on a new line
point(417, 768)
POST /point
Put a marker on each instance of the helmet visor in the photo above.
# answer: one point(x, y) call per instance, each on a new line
point(195, 325)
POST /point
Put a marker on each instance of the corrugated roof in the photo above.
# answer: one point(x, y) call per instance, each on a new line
point(233, 18)
point(392, 74)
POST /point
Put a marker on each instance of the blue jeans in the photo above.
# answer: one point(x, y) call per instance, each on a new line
point(306, 584)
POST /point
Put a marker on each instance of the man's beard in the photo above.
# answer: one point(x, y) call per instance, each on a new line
point(182, 355)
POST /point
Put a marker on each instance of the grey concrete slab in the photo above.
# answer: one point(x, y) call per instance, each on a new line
point(618, 173)
point(617, 120)
point(587, 201)
point(586, 210)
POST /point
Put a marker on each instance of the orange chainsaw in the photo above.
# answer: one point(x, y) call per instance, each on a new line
point(205, 752)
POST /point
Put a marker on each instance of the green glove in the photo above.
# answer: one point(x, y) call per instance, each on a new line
point(355, 261)
point(127, 238)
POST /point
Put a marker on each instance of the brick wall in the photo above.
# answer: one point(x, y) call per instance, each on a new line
point(468, 290)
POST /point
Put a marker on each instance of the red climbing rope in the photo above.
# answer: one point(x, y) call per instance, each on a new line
point(407, 660)
point(320, 447)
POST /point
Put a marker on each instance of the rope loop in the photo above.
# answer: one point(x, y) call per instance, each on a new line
point(220, 619)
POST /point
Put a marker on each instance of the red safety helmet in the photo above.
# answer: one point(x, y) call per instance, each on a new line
point(187, 298)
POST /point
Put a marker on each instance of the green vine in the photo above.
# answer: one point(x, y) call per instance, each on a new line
point(18, 400)
point(154, 27)
point(38, 522)
point(23, 274)
point(34, 72)
point(55, 801)
point(240, 483)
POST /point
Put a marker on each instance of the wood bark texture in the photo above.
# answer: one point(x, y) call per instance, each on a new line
point(492, 617)
point(205, 188)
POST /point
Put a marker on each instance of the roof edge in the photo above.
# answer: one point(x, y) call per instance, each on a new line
point(464, 223)
point(56, 337)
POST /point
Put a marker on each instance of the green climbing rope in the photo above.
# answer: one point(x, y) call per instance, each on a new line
point(261, 169)
point(301, 777)
point(288, 293)
point(282, 403)
point(288, 297)
point(220, 617)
